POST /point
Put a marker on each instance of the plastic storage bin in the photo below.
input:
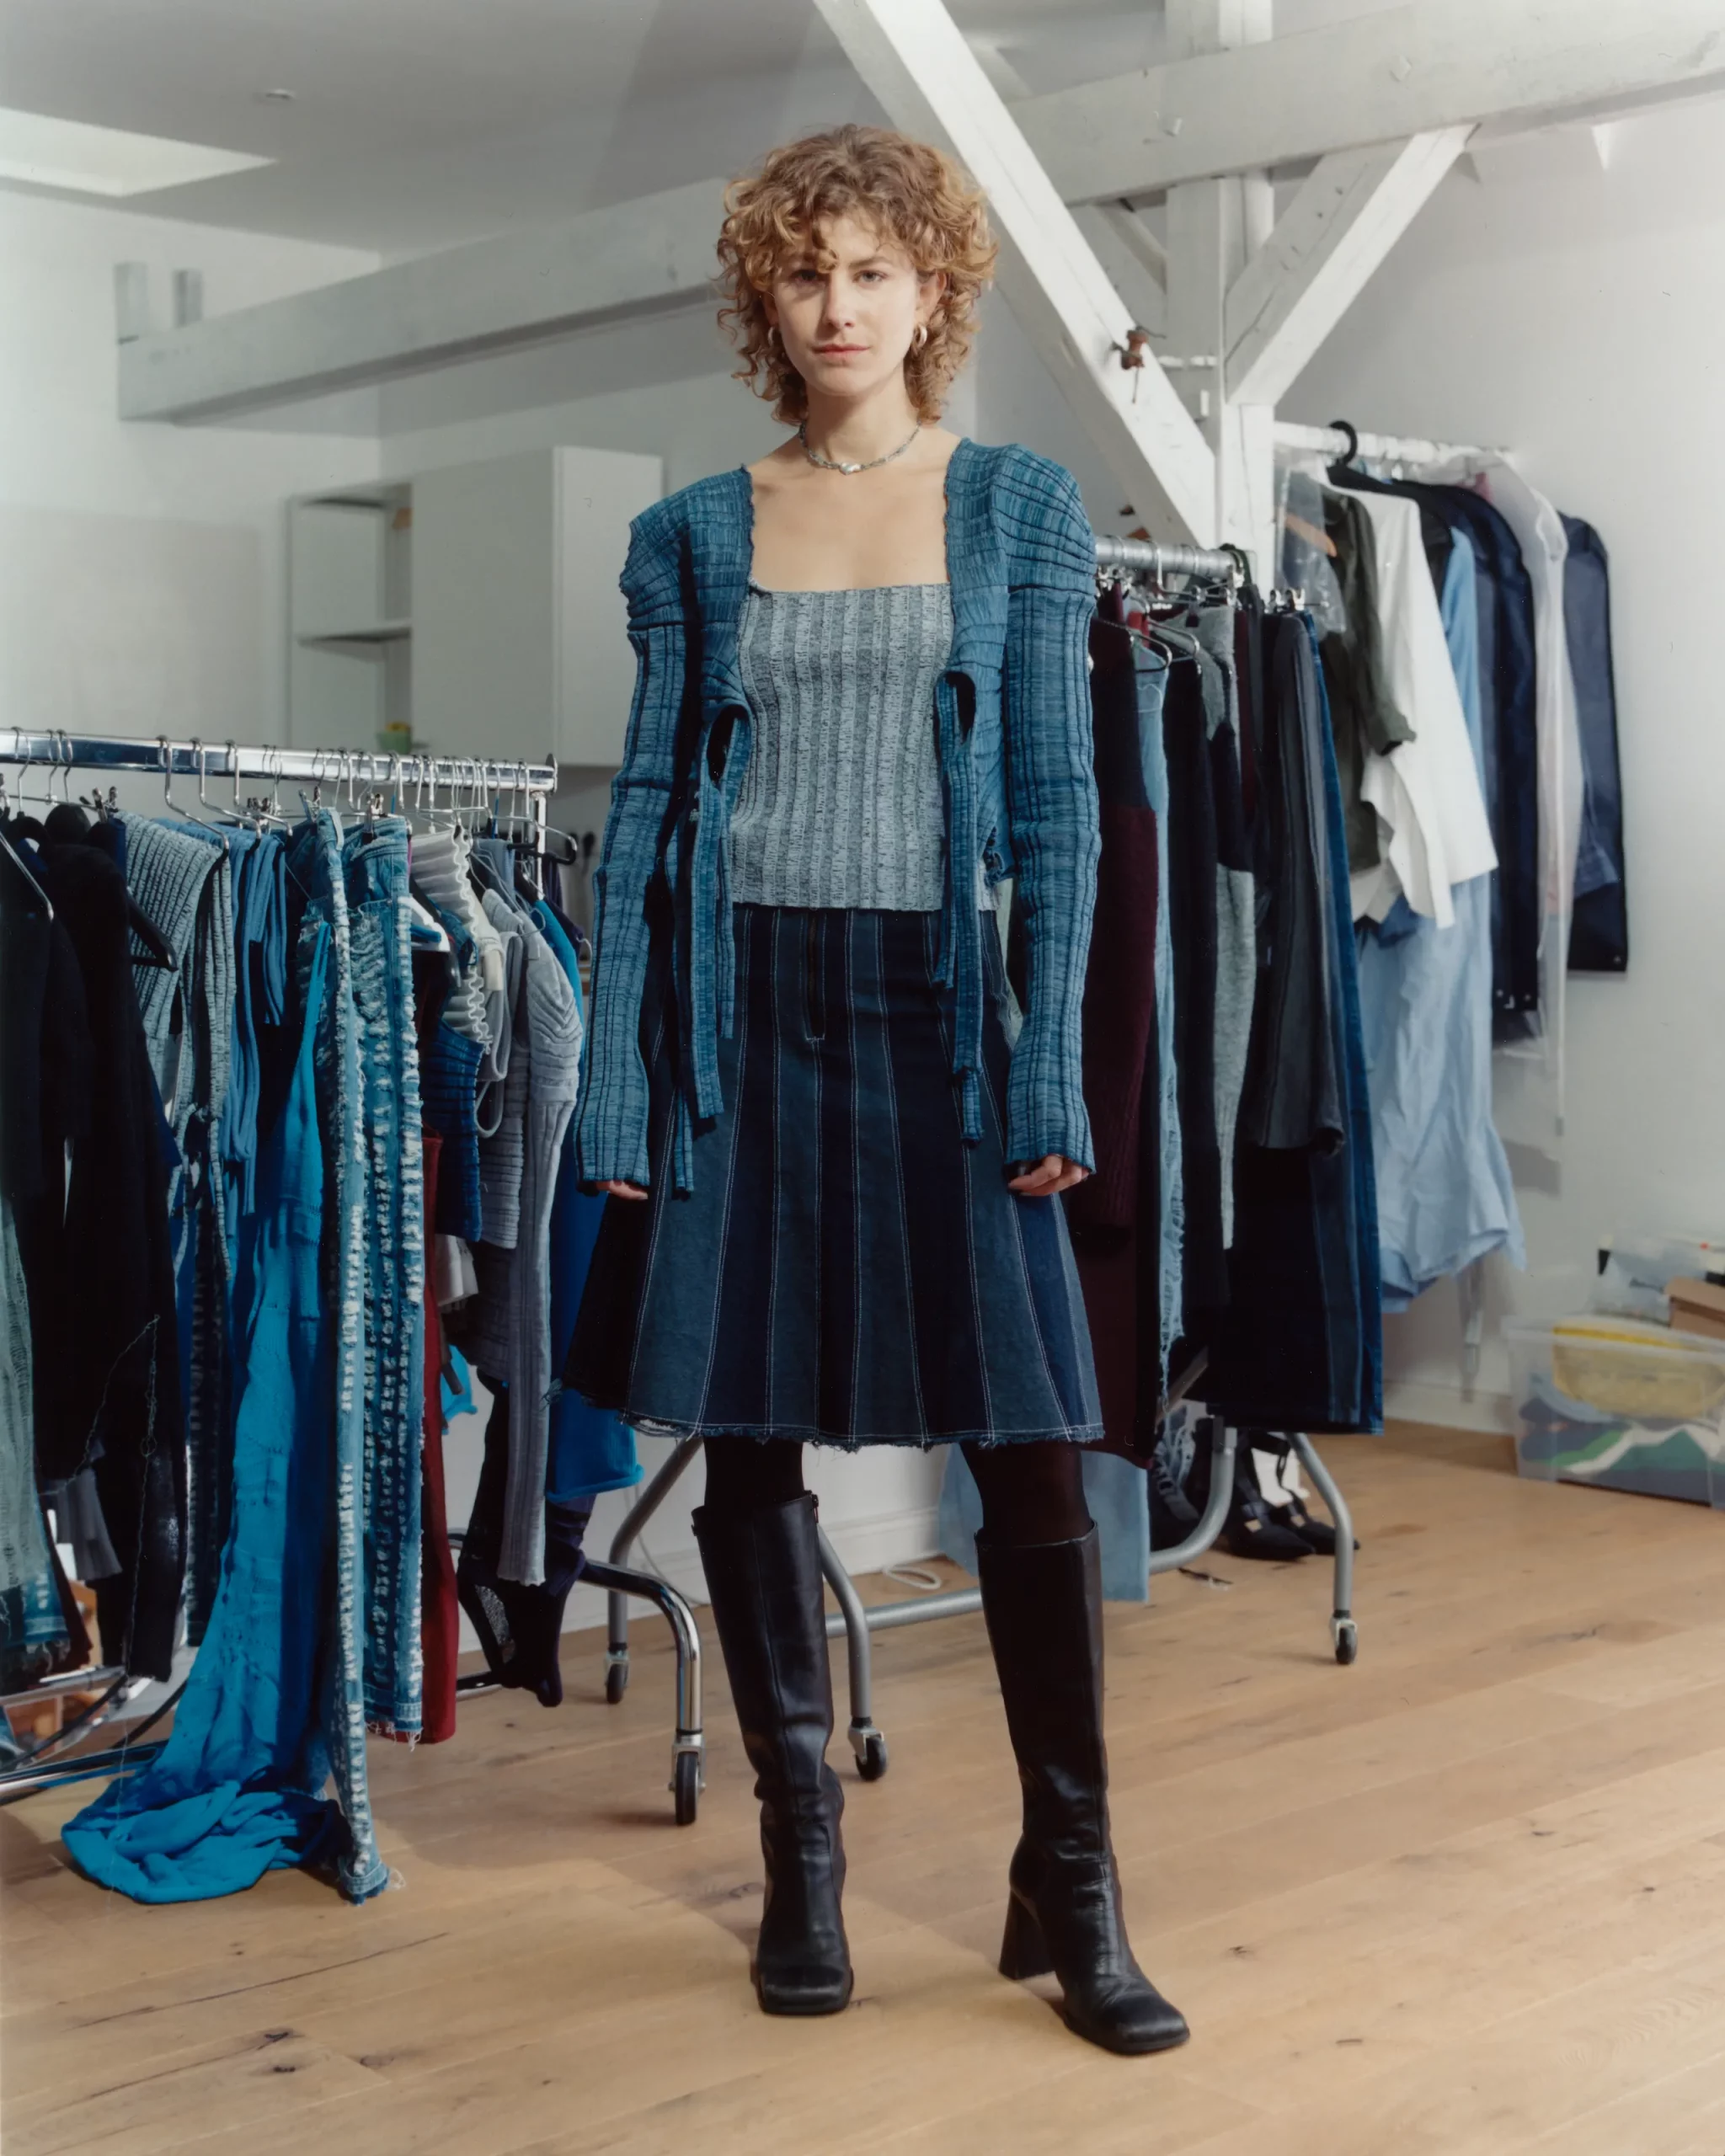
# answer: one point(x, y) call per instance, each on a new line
point(1619, 1405)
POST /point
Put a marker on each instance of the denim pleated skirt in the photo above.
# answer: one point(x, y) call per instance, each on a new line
point(846, 1270)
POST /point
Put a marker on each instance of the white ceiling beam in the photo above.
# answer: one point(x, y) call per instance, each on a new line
point(653, 254)
point(912, 57)
point(1347, 215)
point(1426, 65)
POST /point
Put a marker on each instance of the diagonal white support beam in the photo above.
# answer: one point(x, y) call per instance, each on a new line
point(1136, 237)
point(1116, 232)
point(652, 255)
point(1426, 65)
point(1347, 215)
point(911, 55)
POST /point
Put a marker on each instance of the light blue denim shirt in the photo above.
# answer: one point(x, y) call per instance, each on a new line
point(1013, 710)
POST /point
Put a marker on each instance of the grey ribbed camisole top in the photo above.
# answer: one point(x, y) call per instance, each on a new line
point(839, 803)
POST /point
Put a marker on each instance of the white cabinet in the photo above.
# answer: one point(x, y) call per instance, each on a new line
point(499, 631)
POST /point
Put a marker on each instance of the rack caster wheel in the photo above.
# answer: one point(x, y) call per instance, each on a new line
point(1347, 1637)
point(686, 1786)
point(616, 1681)
point(870, 1748)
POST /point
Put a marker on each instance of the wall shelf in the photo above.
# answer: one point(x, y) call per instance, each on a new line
point(378, 498)
point(373, 633)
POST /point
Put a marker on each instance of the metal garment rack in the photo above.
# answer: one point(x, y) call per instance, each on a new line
point(1151, 558)
point(855, 1621)
point(61, 753)
point(359, 772)
point(1335, 444)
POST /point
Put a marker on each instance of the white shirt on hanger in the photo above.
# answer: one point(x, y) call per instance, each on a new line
point(1426, 791)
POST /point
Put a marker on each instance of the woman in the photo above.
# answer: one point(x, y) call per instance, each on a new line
point(833, 1147)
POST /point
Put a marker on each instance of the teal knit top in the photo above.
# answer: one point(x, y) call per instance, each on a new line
point(1013, 739)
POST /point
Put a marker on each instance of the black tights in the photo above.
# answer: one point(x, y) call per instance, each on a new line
point(1032, 1492)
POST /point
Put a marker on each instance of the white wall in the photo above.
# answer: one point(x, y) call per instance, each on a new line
point(140, 565)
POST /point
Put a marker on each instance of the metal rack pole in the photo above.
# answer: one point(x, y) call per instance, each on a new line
point(1343, 1629)
point(1331, 443)
point(622, 1544)
point(1156, 559)
point(194, 758)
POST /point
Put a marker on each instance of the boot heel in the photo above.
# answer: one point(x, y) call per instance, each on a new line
point(1023, 1947)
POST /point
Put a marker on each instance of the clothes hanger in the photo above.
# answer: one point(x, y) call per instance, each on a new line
point(24, 796)
point(63, 761)
point(214, 815)
point(312, 803)
point(17, 859)
point(1349, 460)
point(176, 808)
point(272, 810)
point(203, 814)
point(23, 869)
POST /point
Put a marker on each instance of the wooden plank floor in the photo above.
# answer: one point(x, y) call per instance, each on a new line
point(1464, 1899)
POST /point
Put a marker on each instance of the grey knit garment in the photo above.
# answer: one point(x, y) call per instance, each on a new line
point(506, 1334)
point(503, 1109)
point(840, 804)
point(182, 881)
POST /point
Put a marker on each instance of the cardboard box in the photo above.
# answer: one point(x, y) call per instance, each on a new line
point(1698, 1306)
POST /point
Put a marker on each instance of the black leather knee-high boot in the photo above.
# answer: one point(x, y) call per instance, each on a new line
point(763, 1577)
point(1042, 1602)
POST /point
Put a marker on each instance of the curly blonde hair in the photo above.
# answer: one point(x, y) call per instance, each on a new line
point(910, 192)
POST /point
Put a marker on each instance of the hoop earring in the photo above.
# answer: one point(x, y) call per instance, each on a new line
point(919, 337)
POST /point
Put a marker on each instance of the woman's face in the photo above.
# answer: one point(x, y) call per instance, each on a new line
point(847, 313)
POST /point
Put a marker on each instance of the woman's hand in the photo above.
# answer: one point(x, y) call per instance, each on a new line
point(1050, 1175)
point(623, 1189)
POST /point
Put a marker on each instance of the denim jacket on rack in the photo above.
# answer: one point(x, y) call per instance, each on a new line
point(1013, 712)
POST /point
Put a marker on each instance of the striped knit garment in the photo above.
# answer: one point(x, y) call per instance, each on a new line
point(839, 803)
point(181, 881)
point(1015, 753)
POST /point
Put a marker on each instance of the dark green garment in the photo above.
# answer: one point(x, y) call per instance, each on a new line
point(1363, 714)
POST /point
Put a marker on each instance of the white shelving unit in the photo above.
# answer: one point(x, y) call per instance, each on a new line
point(473, 609)
point(349, 585)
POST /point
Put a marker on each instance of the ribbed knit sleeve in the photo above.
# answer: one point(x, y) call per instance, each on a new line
point(610, 1116)
point(1051, 799)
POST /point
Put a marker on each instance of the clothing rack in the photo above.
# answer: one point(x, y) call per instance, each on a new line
point(358, 771)
point(855, 1621)
point(353, 768)
point(57, 751)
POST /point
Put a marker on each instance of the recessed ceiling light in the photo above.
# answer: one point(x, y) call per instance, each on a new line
point(40, 151)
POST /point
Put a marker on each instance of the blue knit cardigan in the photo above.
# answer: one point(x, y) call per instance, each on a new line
point(1014, 733)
